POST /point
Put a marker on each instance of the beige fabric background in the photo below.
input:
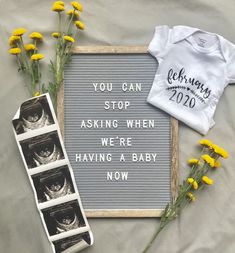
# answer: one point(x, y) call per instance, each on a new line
point(206, 226)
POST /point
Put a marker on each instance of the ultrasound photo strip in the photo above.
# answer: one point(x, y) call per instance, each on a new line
point(51, 176)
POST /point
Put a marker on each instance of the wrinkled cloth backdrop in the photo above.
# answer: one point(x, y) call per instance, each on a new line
point(206, 226)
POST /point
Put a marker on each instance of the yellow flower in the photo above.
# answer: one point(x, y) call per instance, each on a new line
point(19, 31)
point(69, 38)
point(79, 25)
point(73, 12)
point(15, 51)
point(37, 93)
point(13, 39)
point(57, 7)
point(29, 47)
point(191, 196)
point(217, 164)
point(209, 160)
point(206, 143)
point(37, 57)
point(77, 6)
point(195, 185)
point(190, 180)
point(193, 182)
point(193, 161)
point(59, 2)
point(207, 180)
point(220, 151)
point(36, 35)
point(56, 35)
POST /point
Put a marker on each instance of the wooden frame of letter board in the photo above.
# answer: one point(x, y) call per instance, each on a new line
point(174, 137)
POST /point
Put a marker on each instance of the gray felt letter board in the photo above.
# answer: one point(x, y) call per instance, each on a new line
point(123, 151)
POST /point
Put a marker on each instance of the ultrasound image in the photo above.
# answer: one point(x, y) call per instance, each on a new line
point(53, 184)
point(63, 217)
point(63, 244)
point(34, 114)
point(42, 149)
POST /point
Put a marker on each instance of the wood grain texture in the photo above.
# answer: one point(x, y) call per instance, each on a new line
point(174, 138)
point(118, 213)
point(60, 109)
point(110, 49)
point(174, 159)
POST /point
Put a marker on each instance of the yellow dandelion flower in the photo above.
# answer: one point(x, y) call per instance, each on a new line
point(217, 164)
point(207, 180)
point(190, 180)
point(77, 6)
point(59, 2)
point(36, 35)
point(193, 182)
point(69, 39)
point(29, 47)
point(37, 93)
point(209, 160)
point(220, 151)
point(191, 196)
point(13, 39)
point(56, 35)
point(206, 143)
point(14, 51)
point(73, 12)
point(57, 7)
point(37, 57)
point(19, 31)
point(79, 25)
point(195, 185)
point(193, 161)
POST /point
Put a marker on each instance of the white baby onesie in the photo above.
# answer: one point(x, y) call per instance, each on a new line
point(194, 68)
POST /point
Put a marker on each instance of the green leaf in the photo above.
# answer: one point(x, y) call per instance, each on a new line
point(44, 89)
point(51, 66)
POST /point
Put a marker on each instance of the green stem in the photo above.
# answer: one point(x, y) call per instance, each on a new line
point(58, 74)
point(24, 55)
point(153, 238)
point(194, 168)
point(61, 56)
point(28, 67)
point(172, 210)
point(69, 24)
point(19, 63)
point(38, 77)
point(35, 44)
point(59, 25)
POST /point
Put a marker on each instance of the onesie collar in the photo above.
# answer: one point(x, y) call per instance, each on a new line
point(180, 33)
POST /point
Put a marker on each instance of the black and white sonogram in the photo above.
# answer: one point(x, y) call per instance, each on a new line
point(53, 184)
point(42, 149)
point(63, 244)
point(63, 217)
point(34, 114)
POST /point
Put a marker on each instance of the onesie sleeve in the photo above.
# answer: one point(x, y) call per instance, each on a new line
point(231, 68)
point(159, 41)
